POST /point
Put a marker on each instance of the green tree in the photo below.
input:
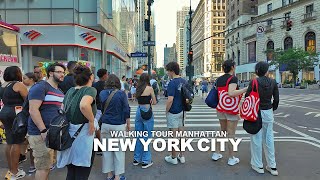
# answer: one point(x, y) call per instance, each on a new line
point(296, 59)
point(160, 72)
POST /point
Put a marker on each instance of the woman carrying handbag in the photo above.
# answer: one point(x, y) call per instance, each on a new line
point(228, 107)
point(115, 117)
point(144, 120)
point(267, 89)
point(80, 106)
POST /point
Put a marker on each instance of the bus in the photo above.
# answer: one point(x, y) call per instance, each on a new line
point(10, 49)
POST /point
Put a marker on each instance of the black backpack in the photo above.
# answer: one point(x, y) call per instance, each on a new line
point(187, 96)
point(58, 137)
point(155, 87)
point(20, 122)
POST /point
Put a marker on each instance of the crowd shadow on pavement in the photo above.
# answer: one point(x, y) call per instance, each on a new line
point(295, 161)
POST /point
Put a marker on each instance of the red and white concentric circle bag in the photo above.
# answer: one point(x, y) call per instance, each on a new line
point(227, 104)
point(250, 106)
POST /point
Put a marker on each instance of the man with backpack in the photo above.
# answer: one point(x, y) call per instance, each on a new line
point(175, 107)
point(155, 86)
point(45, 100)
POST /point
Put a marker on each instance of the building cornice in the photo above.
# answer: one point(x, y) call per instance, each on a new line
point(279, 10)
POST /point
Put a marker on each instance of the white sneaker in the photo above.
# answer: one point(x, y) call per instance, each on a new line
point(182, 159)
point(233, 161)
point(259, 170)
point(171, 160)
point(20, 174)
point(272, 171)
point(216, 156)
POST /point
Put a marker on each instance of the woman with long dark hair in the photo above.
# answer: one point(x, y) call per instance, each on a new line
point(146, 98)
point(228, 108)
point(115, 117)
point(13, 95)
point(80, 105)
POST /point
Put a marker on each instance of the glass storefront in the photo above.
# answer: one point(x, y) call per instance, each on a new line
point(43, 55)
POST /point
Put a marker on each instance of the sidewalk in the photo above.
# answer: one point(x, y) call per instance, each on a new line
point(295, 161)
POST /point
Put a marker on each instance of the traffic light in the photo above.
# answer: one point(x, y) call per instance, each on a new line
point(190, 56)
point(289, 25)
point(146, 25)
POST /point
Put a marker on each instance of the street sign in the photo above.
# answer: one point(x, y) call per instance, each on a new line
point(260, 30)
point(149, 43)
point(139, 54)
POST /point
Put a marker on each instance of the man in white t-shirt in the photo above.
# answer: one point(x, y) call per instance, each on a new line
point(123, 79)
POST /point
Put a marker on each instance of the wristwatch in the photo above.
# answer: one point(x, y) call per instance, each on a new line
point(44, 131)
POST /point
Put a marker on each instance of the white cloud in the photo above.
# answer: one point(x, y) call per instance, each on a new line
point(166, 20)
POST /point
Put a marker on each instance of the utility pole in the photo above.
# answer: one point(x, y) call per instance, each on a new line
point(189, 69)
point(149, 35)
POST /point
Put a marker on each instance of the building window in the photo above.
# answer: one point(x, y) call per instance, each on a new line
point(310, 42)
point(252, 52)
point(253, 9)
point(288, 43)
point(284, 2)
point(309, 9)
point(270, 48)
point(238, 2)
point(43, 53)
point(290, 1)
point(269, 7)
point(269, 22)
point(238, 13)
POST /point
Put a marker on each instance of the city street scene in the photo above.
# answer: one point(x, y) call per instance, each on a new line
point(85, 85)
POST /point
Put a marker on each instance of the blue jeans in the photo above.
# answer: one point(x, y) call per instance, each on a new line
point(143, 125)
point(264, 138)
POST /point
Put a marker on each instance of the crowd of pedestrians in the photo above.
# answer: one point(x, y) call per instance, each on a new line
point(97, 108)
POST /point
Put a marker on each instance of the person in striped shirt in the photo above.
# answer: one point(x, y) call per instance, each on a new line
point(45, 99)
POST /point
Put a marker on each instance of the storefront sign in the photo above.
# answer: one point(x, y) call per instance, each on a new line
point(8, 58)
point(88, 37)
point(32, 34)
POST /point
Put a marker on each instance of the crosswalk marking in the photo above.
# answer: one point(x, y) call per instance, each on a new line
point(300, 98)
point(316, 114)
point(201, 117)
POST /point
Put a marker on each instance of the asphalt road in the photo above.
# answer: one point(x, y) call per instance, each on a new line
point(297, 136)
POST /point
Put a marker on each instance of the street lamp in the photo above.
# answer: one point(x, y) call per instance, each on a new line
point(149, 3)
point(189, 69)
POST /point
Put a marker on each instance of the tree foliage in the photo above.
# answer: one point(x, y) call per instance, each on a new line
point(295, 60)
point(160, 71)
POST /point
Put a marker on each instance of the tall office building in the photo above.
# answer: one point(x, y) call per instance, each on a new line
point(142, 35)
point(166, 52)
point(208, 25)
point(181, 15)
